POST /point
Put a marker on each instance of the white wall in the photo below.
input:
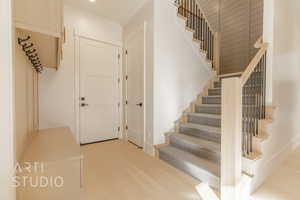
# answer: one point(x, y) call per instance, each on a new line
point(57, 88)
point(285, 130)
point(25, 84)
point(179, 75)
point(7, 157)
point(145, 15)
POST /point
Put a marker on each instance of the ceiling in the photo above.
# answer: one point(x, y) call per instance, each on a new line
point(119, 11)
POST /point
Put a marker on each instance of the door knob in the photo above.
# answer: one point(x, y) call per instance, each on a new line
point(140, 104)
point(84, 104)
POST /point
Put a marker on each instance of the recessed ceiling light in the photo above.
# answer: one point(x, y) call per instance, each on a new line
point(92, 1)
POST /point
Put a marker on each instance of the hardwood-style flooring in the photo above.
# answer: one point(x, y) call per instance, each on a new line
point(284, 183)
point(117, 170)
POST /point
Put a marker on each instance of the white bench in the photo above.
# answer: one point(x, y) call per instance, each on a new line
point(55, 159)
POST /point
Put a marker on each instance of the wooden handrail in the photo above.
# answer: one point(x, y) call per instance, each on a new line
point(254, 62)
point(231, 75)
point(258, 43)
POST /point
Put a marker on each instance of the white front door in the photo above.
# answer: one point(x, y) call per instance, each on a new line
point(99, 91)
point(135, 88)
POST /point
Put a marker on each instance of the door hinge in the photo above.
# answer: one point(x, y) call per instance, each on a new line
point(126, 52)
point(119, 56)
point(119, 129)
point(119, 80)
point(126, 102)
point(126, 127)
point(119, 105)
point(126, 77)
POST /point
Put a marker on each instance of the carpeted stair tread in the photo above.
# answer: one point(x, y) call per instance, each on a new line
point(209, 105)
point(214, 91)
point(201, 169)
point(208, 108)
point(209, 145)
point(215, 116)
point(202, 127)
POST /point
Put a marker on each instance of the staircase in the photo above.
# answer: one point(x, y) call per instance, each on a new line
point(195, 147)
point(195, 144)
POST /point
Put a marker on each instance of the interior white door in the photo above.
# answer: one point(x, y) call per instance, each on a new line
point(99, 91)
point(135, 88)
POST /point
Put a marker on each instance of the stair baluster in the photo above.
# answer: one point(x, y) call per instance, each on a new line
point(254, 98)
point(197, 23)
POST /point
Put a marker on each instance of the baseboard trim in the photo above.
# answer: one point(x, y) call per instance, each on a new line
point(273, 163)
point(149, 149)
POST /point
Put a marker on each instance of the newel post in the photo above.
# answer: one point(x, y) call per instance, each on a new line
point(231, 149)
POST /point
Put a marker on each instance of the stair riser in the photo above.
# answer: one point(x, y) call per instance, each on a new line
point(211, 100)
point(217, 84)
point(212, 92)
point(215, 137)
point(204, 121)
point(195, 149)
point(192, 170)
point(208, 110)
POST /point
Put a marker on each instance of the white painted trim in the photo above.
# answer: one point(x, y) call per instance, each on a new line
point(114, 43)
point(7, 141)
point(231, 141)
point(145, 91)
point(121, 97)
point(205, 192)
point(273, 163)
point(142, 27)
point(77, 84)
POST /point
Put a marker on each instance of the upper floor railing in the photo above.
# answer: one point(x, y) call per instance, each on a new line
point(203, 31)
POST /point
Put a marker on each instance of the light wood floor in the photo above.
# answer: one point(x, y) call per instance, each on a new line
point(284, 183)
point(117, 170)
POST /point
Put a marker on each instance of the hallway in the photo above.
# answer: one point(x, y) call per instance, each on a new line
point(284, 184)
point(118, 170)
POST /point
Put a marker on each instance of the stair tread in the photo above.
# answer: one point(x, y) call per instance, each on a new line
point(215, 116)
point(202, 127)
point(217, 88)
point(211, 167)
point(212, 96)
point(209, 105)
point(209, 145)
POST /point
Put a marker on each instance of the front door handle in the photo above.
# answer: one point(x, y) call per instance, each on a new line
point(140, 104)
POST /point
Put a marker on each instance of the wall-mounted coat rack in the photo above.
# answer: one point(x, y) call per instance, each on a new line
point(31, 53)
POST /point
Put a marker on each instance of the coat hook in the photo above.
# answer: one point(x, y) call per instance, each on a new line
point(28, 52)
point(34, 59)
point(26, 46)
point(36, 62)
point(33, 56)
point(20, 40)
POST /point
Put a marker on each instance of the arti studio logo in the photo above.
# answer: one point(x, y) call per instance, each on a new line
point(32, 174)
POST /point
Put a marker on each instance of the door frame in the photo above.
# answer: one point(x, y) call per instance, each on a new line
point(77, 38)
point(142, 27)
